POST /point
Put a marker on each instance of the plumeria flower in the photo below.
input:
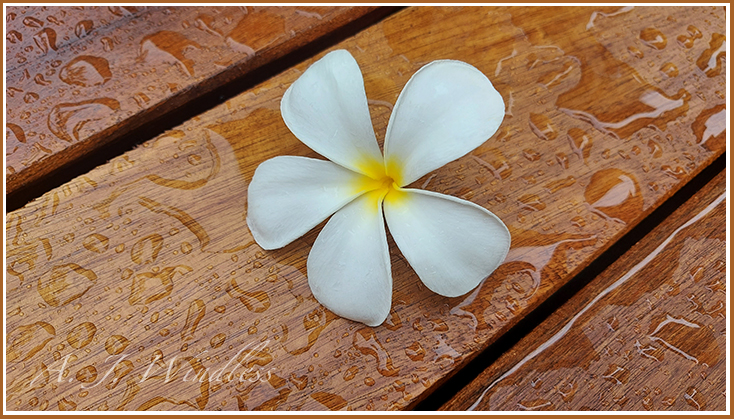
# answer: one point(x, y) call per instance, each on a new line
point(447, 109)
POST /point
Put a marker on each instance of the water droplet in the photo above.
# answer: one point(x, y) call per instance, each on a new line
point(146, 250)
point(300, 382)
point(438, 325)
point(30, 97)
point(96, 243)
point(86, 70)
point(116, 344)
point(119, 372)
point(542, 127)
point(676, 173)
point(87, 374)
point(415, 352)
point(141, 99)
point(83, 28)
point(655, 149)
point(81, 335)
point(536, 404)
point(367, 343)
point(251, 357)
point(350, 373)
point(196, 312)
point(32, 22)
point(45, 40)
point(14, 37)
point(65, 283)
point(614, 194)
point(669, 69)
point(25, 341)
point(496, 162)
point(557, 185)
point(578, 221)
point(685, 338)
point(653, 38)
point(251, 35)
point(710, 128)
point(168, 47)
point(531, 155)
point(693, 397)
point(635, 52)
point(107, 44)
point(531, 203)
point(66, 120)
point(712, 60)
point(217, 340)
point(330, 400)
point(66, 405)
point(616, 374)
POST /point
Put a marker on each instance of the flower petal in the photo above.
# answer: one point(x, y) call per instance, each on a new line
point(447, 109)
point(326, 108)
point(349, 264)
point(290, 195)
point(452, 244)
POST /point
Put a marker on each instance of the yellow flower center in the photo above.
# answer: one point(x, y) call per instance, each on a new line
point(383, 181)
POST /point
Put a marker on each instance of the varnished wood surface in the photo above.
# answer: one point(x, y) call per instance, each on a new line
point(79, 77)
point(649, 333)
point(149, 255)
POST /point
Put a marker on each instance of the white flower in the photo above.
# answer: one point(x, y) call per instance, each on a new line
point(447, 109)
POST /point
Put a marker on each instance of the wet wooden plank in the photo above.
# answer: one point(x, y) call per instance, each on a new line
point(150, 255)
point(649, 333)
point(80, 77)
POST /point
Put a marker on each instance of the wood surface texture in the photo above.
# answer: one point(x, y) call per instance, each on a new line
point(149, 256)
point(80, 77)
point(649, 333)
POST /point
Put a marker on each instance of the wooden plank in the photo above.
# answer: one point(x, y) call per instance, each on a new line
point(163, 263)
point(80, 77)
point(649, 333)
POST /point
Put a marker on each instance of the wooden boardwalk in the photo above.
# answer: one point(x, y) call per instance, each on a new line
point(144, 266)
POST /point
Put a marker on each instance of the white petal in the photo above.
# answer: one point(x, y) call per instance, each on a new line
point(349, 264)
point(289, 195)
point(447, 109)
point(326, 108)
point(452, 244)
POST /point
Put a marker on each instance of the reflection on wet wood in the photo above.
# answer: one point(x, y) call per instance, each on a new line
point(149, 257)
point(649, 333)
point(79, 77)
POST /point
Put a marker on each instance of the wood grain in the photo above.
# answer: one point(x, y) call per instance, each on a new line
point(149, 255)
point(80, 77)
point(649, 333)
